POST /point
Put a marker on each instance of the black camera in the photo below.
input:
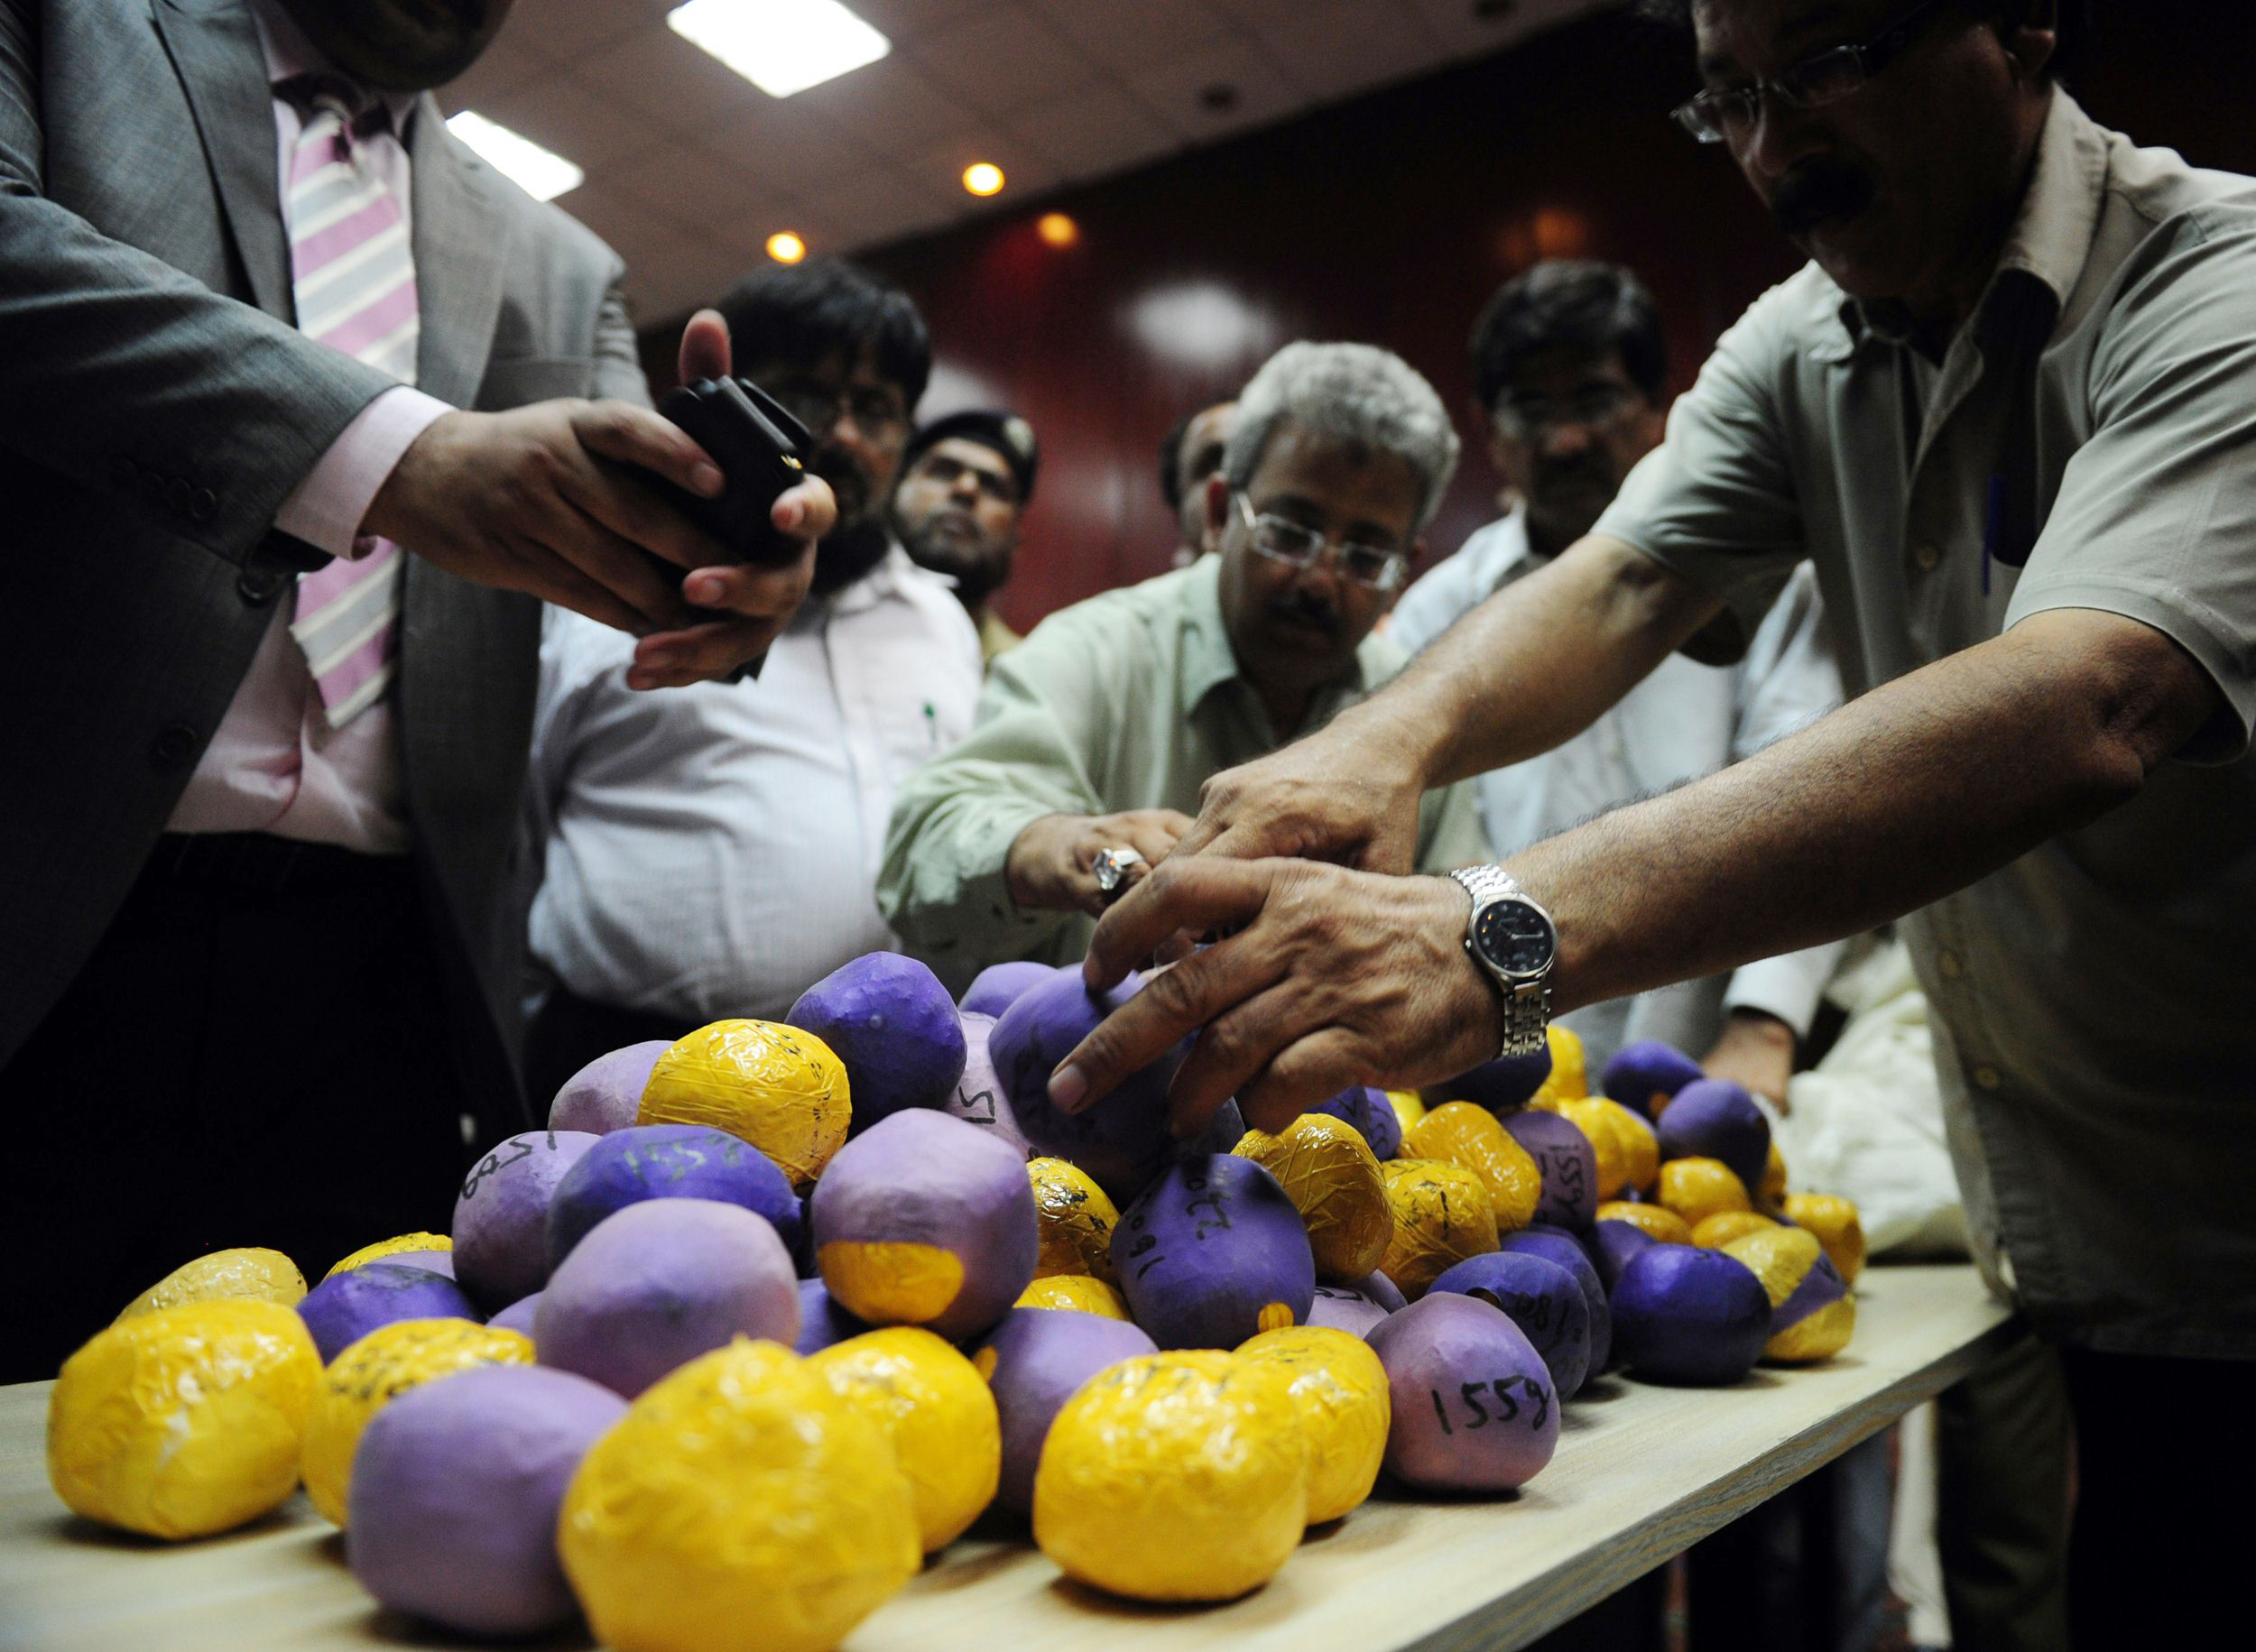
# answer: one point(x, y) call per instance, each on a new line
point(761, 449)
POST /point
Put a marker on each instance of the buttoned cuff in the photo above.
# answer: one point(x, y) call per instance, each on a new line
point(1788, 987)
point(326, 509)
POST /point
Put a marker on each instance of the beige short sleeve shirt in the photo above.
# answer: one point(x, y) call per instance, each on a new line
point(2088, 440)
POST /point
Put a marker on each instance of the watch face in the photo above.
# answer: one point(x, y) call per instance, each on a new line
point(1515, 937)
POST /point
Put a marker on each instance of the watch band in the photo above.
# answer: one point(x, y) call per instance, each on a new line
point(1527, 1003)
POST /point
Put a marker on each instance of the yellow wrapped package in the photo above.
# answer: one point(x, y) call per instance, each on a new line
point(247, 1274)
point(1570, 1077)
point(1174, 1476)
point(185, 1421)
point(1468, 1135)
point(1697, 1188)
point(740, 1502)
point(1074, 1219)
point(1341, 1390)
point(370, 1373)
point(1442, 1214)
point(1082, 1292)
point(779, 1088)
point(1812, 1314)
point(1771, 1197)
point(1409, 1107)
point(1658, 1220)
point(1607, 1147)
point(1328, 1171)
point(404, 1245)
point(938, 1413)
point(1839, 1229)
point(1717, 1231)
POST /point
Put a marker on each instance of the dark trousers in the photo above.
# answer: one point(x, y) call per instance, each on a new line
point(256, 1053)
point(1807, 1572)
point(569, 1032)
point(2164, 1454)
point(2001, 1448)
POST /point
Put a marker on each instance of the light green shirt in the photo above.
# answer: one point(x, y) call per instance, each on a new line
point(1129, 700)
point(2088, 440)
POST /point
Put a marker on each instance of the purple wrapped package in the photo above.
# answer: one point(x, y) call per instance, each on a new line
point(978, 1098)
point(1033, 1361)
point(1213, 1254)
point(454, 1493)
point(1644, 1077)
point(501, 1218)
point(1369, 1110)
point(1567, 1161)
point(1714, 1118)
point(1120, 1144)
point(345, 1306)
point(1555, 1245)
point(1539, 1297)
point(659, 1284)
point(605, 1094)
point(997, 987)
point(893, 1027)
point(1474, 1407)
point(1689, 1315)
point(667, 1161)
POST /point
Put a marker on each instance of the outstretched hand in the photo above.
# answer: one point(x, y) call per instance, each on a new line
point(1332, 977)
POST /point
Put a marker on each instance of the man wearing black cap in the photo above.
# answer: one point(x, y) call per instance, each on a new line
point(966, 482)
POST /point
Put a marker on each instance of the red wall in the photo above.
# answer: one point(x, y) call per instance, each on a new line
point(1391, 219)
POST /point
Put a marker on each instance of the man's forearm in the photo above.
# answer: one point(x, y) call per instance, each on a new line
point(1535, 664)
point(1916, 791)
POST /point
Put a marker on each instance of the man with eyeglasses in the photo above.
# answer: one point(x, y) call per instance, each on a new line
point(966, 482)
point(2008, 410)
point(1096, 733)
point(712, 855)
point(1569, 365)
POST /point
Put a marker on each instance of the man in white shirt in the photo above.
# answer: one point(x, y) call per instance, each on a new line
point(1569, 364)
point(712, 852)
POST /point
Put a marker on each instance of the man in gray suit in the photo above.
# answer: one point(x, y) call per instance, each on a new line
point(270, 640)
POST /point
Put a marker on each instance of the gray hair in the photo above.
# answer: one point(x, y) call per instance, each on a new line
point(1350, 393)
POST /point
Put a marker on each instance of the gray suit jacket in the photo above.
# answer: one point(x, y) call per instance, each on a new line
point(157, 406)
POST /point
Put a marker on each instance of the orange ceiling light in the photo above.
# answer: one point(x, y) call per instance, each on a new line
point(785, 247)
point(1057, 229)
point(982, 178)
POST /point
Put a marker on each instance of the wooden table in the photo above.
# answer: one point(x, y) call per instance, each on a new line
point(1641, 1474)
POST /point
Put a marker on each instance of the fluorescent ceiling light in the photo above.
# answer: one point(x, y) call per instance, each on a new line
point(780, 46)
point(536, 172)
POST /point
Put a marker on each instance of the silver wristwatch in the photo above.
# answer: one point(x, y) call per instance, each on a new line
point(1515, 943)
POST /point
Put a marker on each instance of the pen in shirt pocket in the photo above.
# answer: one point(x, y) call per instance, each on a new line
point(931, 727)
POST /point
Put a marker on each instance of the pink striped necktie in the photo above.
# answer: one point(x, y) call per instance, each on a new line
point(353, 275)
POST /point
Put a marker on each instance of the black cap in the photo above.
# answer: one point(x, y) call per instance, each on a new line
point(1008, 434)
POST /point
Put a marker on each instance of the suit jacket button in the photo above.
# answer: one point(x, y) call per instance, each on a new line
point(151, 487)
point(203, 505)
point(173, 745)
point(258, 589)
point(179, 493)
point(124, 472)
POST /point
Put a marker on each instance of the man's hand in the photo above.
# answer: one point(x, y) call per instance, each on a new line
point(1340, 794)
point(1051, 866)
point(1756, 1052)
point(545, 499)
point(1331, 978)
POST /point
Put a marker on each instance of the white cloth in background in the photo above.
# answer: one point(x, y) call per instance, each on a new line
point(1866, 1123)
point(712, 851)
point(1684, 721)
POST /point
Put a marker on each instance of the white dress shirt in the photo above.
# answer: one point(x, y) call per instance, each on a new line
point(1684, 721)
point(712, 851)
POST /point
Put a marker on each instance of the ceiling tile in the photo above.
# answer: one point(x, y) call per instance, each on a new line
point(577, 121)
point(1117, 34)
point(1174, 88)
point(656, 77)
point(1333, 48)
point(633, 230)
point(568, 29)
point(891, 106)
point(688, 184)
point(1003, 56)
point(791, 148)
point(1464, 32)
point(1097, 130)
point(901, 21)
point(681, 273)
point(505, 67)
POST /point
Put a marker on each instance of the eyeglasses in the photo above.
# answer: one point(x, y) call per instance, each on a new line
point(1282, 539)
point(1520, 418)
point(876, 409)
point(1822, 78)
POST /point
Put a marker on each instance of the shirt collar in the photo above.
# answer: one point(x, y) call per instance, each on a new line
point(289, 53)
point(1209, 660)
point(2044, 249)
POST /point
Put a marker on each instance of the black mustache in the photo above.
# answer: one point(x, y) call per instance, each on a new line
point(1816, 191)
point(1307, 609)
